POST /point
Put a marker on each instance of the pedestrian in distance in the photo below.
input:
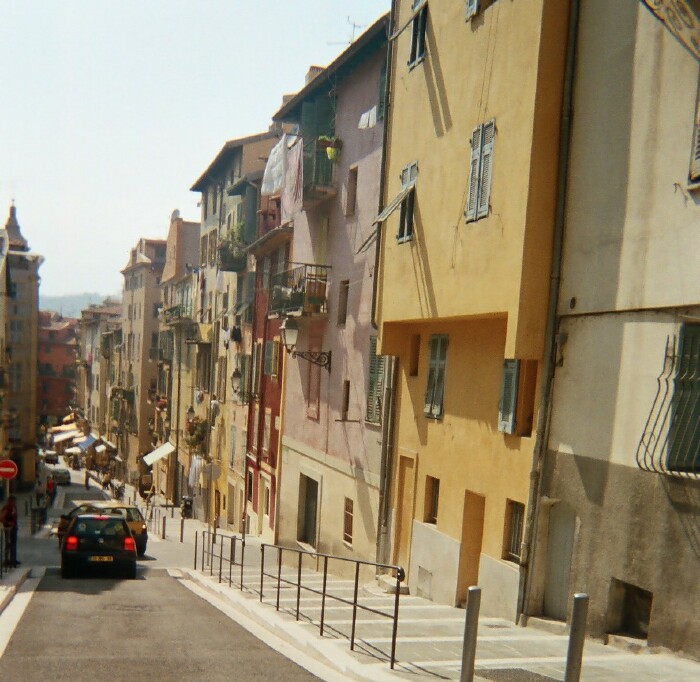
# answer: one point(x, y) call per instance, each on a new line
point(8, 518)
point(39, 491)
point(50, 490)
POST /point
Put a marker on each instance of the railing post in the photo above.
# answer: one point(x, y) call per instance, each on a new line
point(163, 532)
point(471, 624)
point(299, 554)
point(354, 606)
point(221, 556)
point(172, 511)
point(196, 541)
point(212, 556)
point(182, 530)
point(400, 576)
point(203, 548)
point(231, 559)
point(577, 636)
point(262, 568)
point(242, 560)
point(279, 576)
point(323, 595)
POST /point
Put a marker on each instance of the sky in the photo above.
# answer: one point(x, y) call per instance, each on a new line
point(111, 110)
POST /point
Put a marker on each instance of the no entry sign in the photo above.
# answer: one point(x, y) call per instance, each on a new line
point(8, 469)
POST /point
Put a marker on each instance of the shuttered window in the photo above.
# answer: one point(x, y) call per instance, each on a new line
point(695, 155)
point(375, 387)
point(271, 358)
point(509, 396)
point(420, 22)
point(347, 520)
point(409, 175)
point(472, 7)
point(435, 389)
point(245, 387)
point(480, 170)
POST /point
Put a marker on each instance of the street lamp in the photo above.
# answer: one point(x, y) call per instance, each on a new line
point(236, 381)
point(289, 330)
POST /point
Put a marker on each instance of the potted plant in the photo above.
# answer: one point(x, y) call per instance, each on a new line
point(329, 142)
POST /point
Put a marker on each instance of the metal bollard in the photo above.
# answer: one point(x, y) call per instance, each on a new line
point(172, 511)
point(577, 636)
point(471, 624)
point(163, 533)
point(196, 540)
point(182, 530)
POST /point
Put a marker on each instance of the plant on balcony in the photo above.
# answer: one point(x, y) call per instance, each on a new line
point(231, 249)
point(196, 431)
point(329, 142)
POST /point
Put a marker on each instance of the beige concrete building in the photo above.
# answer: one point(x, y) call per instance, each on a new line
point(141, 305)
point(620, 496)
point(21, 344)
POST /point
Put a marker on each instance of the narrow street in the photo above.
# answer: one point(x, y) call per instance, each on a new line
point(150, 628)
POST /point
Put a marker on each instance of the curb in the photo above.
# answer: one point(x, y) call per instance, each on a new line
point(9, 589)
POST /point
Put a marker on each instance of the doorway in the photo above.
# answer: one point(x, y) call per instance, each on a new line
point(560, 547)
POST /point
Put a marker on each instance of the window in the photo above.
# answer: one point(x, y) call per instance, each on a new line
point(255, 368)
point(515, 518)
point(414, 355)
point(420, 21)
point(308, 506)
point(480, 166)
point(212, 247)
point(154, 339)
point(381, 106)
point(347, 520)
point(684, 433)
point(694, 172)
point(205, 205)
point(343, 292)
point(516, 407)
point(266, 431)
point(351, 195)
point(249, 486)
point(256, 425)
point(432, 496)
point(266, 498)
point(436, 376)
point(244, 390)
point(408, 180)
point(375, 387)
point(272, 352)
point(203, 250)
point(232, 447)
point(345, 407)
point(472, 8)
point(509, 396)
point(265, 284)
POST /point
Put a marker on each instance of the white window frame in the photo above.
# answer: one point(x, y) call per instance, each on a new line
point(480, 171)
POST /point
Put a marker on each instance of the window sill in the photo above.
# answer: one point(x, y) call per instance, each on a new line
point(306, 547)
point(414, 64)
point(403, 240)
point(347, 544)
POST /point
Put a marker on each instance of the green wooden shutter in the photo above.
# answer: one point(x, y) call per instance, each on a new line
point(470, 211)
point(308, 122)
point(251, 215)
point(509, 396)
point(485, 164)
point(325, 115)
point(375, 388)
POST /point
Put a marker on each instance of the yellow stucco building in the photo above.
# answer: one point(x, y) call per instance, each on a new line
point(465, 232)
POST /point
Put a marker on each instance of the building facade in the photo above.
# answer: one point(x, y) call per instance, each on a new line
point(56, 371)
point(22, 345)
point(618, 512)
point(332, 420)
point(465, 232)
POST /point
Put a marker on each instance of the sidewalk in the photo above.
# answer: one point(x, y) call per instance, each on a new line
point(429, 637)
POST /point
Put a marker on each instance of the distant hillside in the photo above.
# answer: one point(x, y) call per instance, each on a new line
point(69, 305)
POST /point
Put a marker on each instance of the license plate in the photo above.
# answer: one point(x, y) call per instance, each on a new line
point(101, 558)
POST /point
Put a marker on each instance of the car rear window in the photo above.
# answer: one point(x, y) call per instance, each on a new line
point(100, 527)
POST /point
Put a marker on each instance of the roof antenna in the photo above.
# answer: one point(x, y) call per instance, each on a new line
point(352, 39)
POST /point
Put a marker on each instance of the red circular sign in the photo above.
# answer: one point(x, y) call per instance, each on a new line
point(8, 469)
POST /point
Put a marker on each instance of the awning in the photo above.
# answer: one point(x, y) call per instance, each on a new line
point(112, 446)
point(68, 435)
point(85, 444)
point(73, 450)
point(393, 204)
point(62, 428)
point(100, 448)
point(160, 452)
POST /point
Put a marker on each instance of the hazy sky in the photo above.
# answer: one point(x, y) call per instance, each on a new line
point(111, 110)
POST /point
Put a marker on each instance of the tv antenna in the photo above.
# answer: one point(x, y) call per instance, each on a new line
point(352, 39)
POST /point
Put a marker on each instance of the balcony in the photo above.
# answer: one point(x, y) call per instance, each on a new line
point(232, 257)
point(319, 174)
point(300, 291)
point(177, 313)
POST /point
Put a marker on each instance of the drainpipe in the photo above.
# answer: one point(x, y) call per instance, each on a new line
point(544, 404)
point(387, 458)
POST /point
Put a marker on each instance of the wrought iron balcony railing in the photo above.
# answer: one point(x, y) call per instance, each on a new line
point(301, 290)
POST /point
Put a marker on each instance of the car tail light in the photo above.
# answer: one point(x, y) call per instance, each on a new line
point(71, 542)
point(129, 544)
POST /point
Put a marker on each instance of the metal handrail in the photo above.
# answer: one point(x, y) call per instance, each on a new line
point(209, 554)
point(400, 576)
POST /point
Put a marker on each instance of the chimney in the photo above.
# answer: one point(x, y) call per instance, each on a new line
point(312, 73)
